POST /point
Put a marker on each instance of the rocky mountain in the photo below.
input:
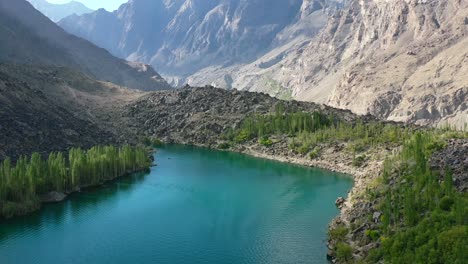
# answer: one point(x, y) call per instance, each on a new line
point(44, 109)
point(182, 37)
point(403, 60)
point(28, 37)
point(200, 115)
point(58, 11)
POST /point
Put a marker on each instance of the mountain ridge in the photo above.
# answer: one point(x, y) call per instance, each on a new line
point(58, 11)
point(189, 35)
point(28, 37)
point(402, 61)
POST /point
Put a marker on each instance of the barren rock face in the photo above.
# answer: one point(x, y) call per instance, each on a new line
point(400, 60)
point(415, 51)
point(403, 60)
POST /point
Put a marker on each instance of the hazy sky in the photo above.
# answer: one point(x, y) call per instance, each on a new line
point(110, 5)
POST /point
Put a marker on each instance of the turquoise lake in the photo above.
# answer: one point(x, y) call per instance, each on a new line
point(196, 206)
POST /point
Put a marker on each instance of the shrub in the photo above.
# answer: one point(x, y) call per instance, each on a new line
point(344, 252)
point(339, 233)
point(224, 145)
point(243, 136)
point(314, 153)
point(156, 142)
point(372, 234)
point(359, 160)
point(265, 141)
point(446, 203)
point(151, 142)
point(303, 149)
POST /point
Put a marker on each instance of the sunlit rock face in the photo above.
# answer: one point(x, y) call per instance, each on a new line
point(181, 37)
point(399, 60)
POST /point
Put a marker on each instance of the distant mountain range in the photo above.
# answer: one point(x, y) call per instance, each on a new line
point(398, 60)
point(28, 37)
point(58, 11)
point(181, 37)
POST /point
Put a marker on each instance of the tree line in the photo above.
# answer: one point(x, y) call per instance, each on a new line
point(424, 218)
point(22, 183)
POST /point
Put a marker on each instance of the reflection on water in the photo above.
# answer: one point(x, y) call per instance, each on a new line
point(196, 206)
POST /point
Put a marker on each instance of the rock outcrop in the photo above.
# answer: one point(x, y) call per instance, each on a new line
point(453, 159)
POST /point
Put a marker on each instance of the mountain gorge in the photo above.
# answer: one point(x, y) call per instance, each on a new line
point(402, 61)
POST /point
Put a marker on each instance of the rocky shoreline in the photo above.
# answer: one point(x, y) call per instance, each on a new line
point(333, 158)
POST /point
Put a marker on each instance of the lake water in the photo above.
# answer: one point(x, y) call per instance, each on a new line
point(196, 206)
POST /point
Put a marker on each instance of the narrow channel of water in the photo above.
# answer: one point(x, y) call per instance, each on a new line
point(196, 206)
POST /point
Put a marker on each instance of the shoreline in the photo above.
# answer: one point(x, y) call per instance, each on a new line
point(58, 197)
point(333, 158)
point(65, 195)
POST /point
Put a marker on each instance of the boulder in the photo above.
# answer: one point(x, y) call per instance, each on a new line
point(53, 197)
point(340, 202)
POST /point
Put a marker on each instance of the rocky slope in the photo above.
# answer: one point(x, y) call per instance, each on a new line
point(44, 109)
point(28, 37)
point(181, 37)
point(199, 115)
point(58, 11)
point(403, 61)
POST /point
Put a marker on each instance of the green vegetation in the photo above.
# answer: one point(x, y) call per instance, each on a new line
point(338, 233)
point(224, 145)
point(265, 141)
point(424, 218)
point(344, 252)
point(152, 142)
point(424, 221)
point(307, 130)
point(23, 182)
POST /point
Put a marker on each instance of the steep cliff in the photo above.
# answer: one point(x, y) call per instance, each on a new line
point(398, 60)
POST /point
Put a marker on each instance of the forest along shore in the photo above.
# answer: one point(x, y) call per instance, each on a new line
point(386, 159)
point(32, 181)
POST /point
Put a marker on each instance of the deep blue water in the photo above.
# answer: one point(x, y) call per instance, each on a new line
point(196, 206)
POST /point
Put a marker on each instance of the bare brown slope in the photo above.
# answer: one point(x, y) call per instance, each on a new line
point(29, 37)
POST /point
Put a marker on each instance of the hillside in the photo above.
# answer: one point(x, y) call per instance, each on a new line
point(402, 61)
point(44, 109)
point(28, 37)
point(58, 11)
point(182, 37)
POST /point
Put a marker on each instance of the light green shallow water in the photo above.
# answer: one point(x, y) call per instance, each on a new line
point(197, 206)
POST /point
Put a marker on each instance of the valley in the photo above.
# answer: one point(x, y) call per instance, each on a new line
point(374, 90)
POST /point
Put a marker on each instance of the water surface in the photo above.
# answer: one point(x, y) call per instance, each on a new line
point(196, 206)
